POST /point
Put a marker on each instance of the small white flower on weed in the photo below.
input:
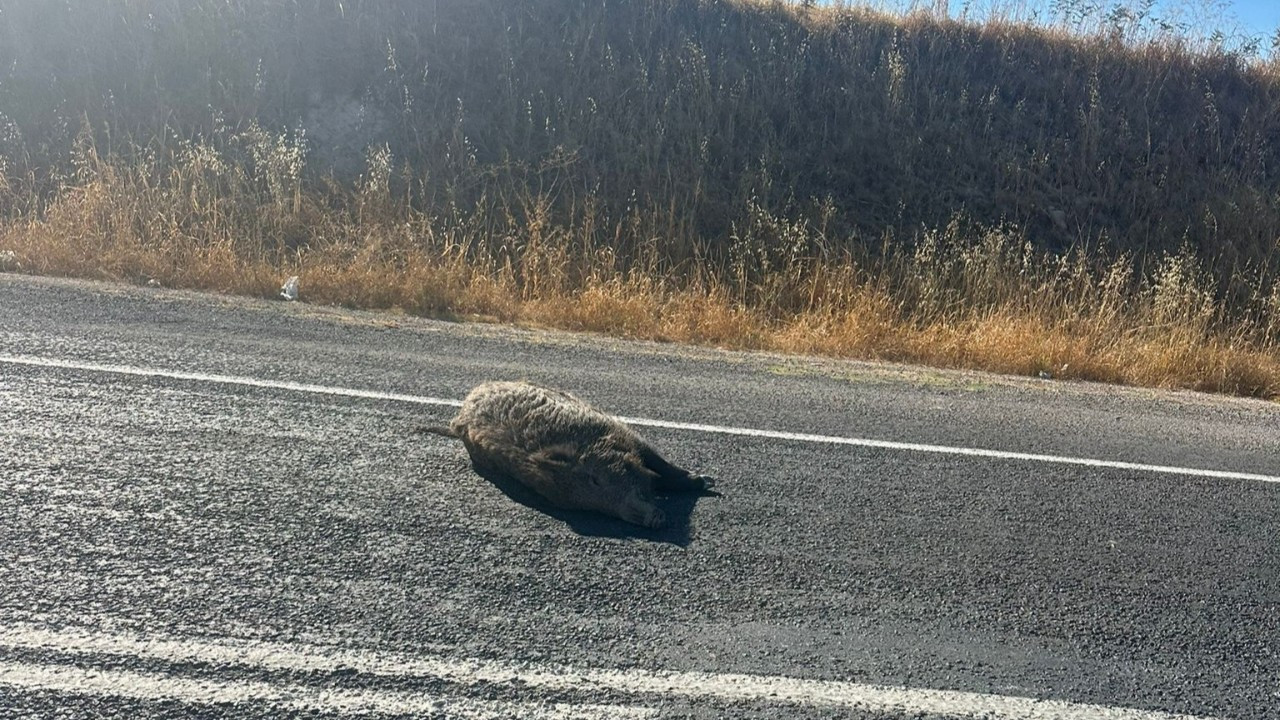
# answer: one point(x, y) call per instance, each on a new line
point(289, 291)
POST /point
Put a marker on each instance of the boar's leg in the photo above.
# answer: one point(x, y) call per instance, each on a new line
point(670, 477)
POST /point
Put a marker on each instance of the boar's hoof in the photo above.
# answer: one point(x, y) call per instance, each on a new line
point(707, 481)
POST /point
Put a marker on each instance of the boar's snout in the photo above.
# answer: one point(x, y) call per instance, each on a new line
point(644, 514)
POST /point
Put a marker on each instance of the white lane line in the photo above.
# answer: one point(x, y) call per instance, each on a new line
point(646, 422)
point(224, 380)
point(693, 686)
point(953, 450)
point(206, 691)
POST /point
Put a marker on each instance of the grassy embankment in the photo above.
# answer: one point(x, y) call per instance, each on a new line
point(748, 175)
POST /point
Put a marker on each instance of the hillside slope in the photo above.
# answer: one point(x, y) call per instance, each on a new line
point(727, 171)
point(692, 109)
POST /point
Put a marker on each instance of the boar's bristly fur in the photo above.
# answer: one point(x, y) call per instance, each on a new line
point(567, 451)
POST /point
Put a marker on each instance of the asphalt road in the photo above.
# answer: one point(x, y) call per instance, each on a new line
point(253, 530)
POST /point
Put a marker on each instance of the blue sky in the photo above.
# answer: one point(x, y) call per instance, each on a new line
point(1240, 17)
point(1262, 15)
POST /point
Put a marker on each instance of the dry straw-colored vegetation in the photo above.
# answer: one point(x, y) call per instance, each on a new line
point(759, 175)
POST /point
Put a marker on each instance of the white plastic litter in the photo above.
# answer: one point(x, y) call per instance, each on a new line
point(290, 289)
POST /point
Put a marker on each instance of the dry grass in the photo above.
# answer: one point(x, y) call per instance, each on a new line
point(743, 174)
point(964, 296)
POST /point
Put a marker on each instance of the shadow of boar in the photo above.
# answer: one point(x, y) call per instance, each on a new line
point(566, 451)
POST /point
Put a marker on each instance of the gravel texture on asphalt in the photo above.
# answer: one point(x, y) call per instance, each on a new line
point(155, 507)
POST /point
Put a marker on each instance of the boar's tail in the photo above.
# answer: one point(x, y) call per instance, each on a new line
point(436, 430)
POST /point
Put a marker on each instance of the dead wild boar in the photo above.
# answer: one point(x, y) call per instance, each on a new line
point(568, 452)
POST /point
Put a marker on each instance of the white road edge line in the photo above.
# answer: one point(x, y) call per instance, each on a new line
point(731, 687)
point(205, 691)
point(643, 422)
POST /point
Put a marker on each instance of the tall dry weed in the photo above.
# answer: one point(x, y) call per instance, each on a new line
point(743, 174)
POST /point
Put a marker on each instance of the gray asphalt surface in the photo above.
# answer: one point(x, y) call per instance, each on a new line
point(168, 508)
